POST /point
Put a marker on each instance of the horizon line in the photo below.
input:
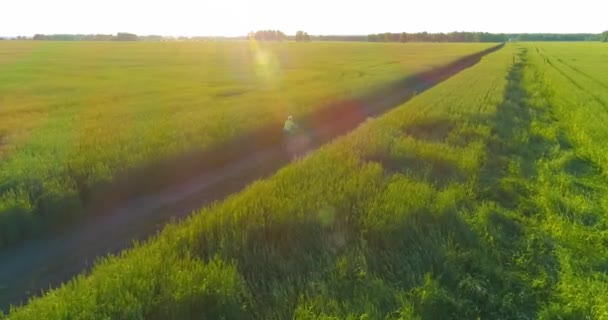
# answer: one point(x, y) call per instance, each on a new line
point(316, 35)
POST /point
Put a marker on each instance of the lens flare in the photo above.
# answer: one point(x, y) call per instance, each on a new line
point(267, 66)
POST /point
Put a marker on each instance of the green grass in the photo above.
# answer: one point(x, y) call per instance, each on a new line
point(74, 115)
point(387, 222)
point(482, 198)
point(570, 87)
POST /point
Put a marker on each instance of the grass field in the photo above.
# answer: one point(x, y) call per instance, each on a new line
point(74, 115)
point(571, 182)
point(391, 221)
point(482, 198)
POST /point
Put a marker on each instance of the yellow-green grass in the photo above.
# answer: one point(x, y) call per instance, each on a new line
point(75, 114)
point(482, 198)
point(586, 61)
point(391, 221)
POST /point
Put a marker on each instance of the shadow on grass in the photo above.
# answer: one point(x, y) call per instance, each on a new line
point(435, 130)
point(475, 278)
point(437, 171)
point(278, 259)
point(580, 167)
point(509, 189)
point(513, 144)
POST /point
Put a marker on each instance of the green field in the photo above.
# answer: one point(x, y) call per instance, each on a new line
point(482, 198)
point(73, 115)
point(76, 114)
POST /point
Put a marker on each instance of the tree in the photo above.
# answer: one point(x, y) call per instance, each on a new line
point(604, 36)
point(302, 36)
point(124, 36)
point(102, 37)
point(269, 35)
point(150, 38)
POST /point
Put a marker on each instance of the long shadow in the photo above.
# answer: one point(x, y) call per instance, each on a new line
point(138, 203)
point(513, 141)
point(510, 191)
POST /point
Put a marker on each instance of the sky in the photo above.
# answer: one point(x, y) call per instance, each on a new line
point(339, 17)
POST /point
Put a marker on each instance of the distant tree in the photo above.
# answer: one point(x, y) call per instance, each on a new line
point(102, 37)
point(386, 37)
point(270, 35)
point(260, 35)
point(341, 38)
point(280, 36)
point(425, 37)
point(458, 37)
point(468, 37)
point(39, 37)
point(124, 36)
point(151, 38)
point(440, 37)
point(302, 36)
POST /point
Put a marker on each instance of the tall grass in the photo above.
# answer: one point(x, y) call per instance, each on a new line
point(74, 115)
point(388, 222)
point(483, 197)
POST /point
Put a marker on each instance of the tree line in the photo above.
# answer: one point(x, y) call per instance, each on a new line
point(478, 37)
point(277, 35)
point(301, 36)
point(268, 35)
point(121, 36)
